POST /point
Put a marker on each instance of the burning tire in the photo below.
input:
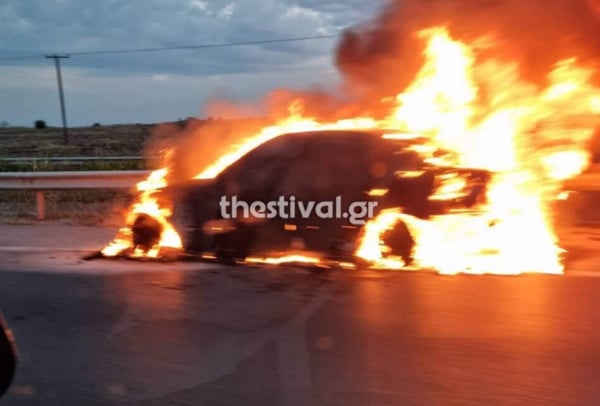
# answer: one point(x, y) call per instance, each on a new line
point(399, 242)
point(386, 242)
point(146, 232)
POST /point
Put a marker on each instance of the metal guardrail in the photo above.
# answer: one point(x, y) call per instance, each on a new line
point(72, 160)
point(45, 181)
point(115, 180)
point(66, 180)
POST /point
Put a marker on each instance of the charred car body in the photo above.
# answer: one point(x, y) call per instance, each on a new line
point(383, 168)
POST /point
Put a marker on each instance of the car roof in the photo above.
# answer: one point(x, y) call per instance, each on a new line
point(399, 138)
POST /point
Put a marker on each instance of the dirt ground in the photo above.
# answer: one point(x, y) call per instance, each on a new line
point(89, 208)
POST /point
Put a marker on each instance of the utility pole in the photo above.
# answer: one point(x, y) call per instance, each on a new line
point(61, 95)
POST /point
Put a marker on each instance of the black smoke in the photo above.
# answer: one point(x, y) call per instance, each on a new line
point(380, 58)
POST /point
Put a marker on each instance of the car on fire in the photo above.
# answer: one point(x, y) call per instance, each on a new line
point(387, 168)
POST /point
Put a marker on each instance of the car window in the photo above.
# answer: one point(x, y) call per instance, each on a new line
point(405, 160)
point(331, 164)
point(261, 168)
point(388, 157)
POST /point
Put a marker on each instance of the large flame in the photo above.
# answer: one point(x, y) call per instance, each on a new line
point(149, 204)
point(531, 138)
point(488, 117)
point(294, 123)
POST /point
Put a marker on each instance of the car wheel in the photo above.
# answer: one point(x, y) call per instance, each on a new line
point(399, 242)
point(233, 246)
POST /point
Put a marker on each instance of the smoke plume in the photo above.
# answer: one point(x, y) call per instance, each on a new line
point(381, 57)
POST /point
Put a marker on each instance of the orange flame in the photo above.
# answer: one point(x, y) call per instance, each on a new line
point(294, 123)
point(487, 117)
point(147, 203)
point(285, 259)
point(491, 119)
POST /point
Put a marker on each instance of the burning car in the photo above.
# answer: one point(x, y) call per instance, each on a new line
point(469, 185)
point(383, 169)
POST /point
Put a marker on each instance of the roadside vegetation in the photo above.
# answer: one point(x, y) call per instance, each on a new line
point(117, 140)
point(77, 207)
point(93, 208)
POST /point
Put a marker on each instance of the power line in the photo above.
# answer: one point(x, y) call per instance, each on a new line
point(174, 48)
point(21, 58)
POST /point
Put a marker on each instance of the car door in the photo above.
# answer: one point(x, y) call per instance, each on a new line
point(334, 167)
point(255, 176)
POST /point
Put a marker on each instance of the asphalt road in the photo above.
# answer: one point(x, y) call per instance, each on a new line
point(204, 335)
point(132, 333)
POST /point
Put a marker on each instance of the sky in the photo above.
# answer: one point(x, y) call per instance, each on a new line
point(162, 86)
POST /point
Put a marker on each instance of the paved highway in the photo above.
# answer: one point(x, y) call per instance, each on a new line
point(283, 336)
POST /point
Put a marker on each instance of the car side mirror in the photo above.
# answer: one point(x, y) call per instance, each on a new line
point(8, 357)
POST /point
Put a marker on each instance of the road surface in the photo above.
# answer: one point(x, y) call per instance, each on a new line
point(129, 333)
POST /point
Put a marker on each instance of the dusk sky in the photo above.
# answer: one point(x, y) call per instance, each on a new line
point(162, 86)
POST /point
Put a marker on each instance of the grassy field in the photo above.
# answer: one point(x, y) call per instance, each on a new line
point(93, 207)
point(77, 207)
point(114, 140)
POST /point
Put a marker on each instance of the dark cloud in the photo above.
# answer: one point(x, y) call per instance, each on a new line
point(150, 87)
point(39, 26)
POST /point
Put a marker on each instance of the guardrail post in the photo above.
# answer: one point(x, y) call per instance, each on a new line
point(41, 206)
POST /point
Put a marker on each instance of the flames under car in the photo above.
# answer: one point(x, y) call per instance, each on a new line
point(387, 169)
